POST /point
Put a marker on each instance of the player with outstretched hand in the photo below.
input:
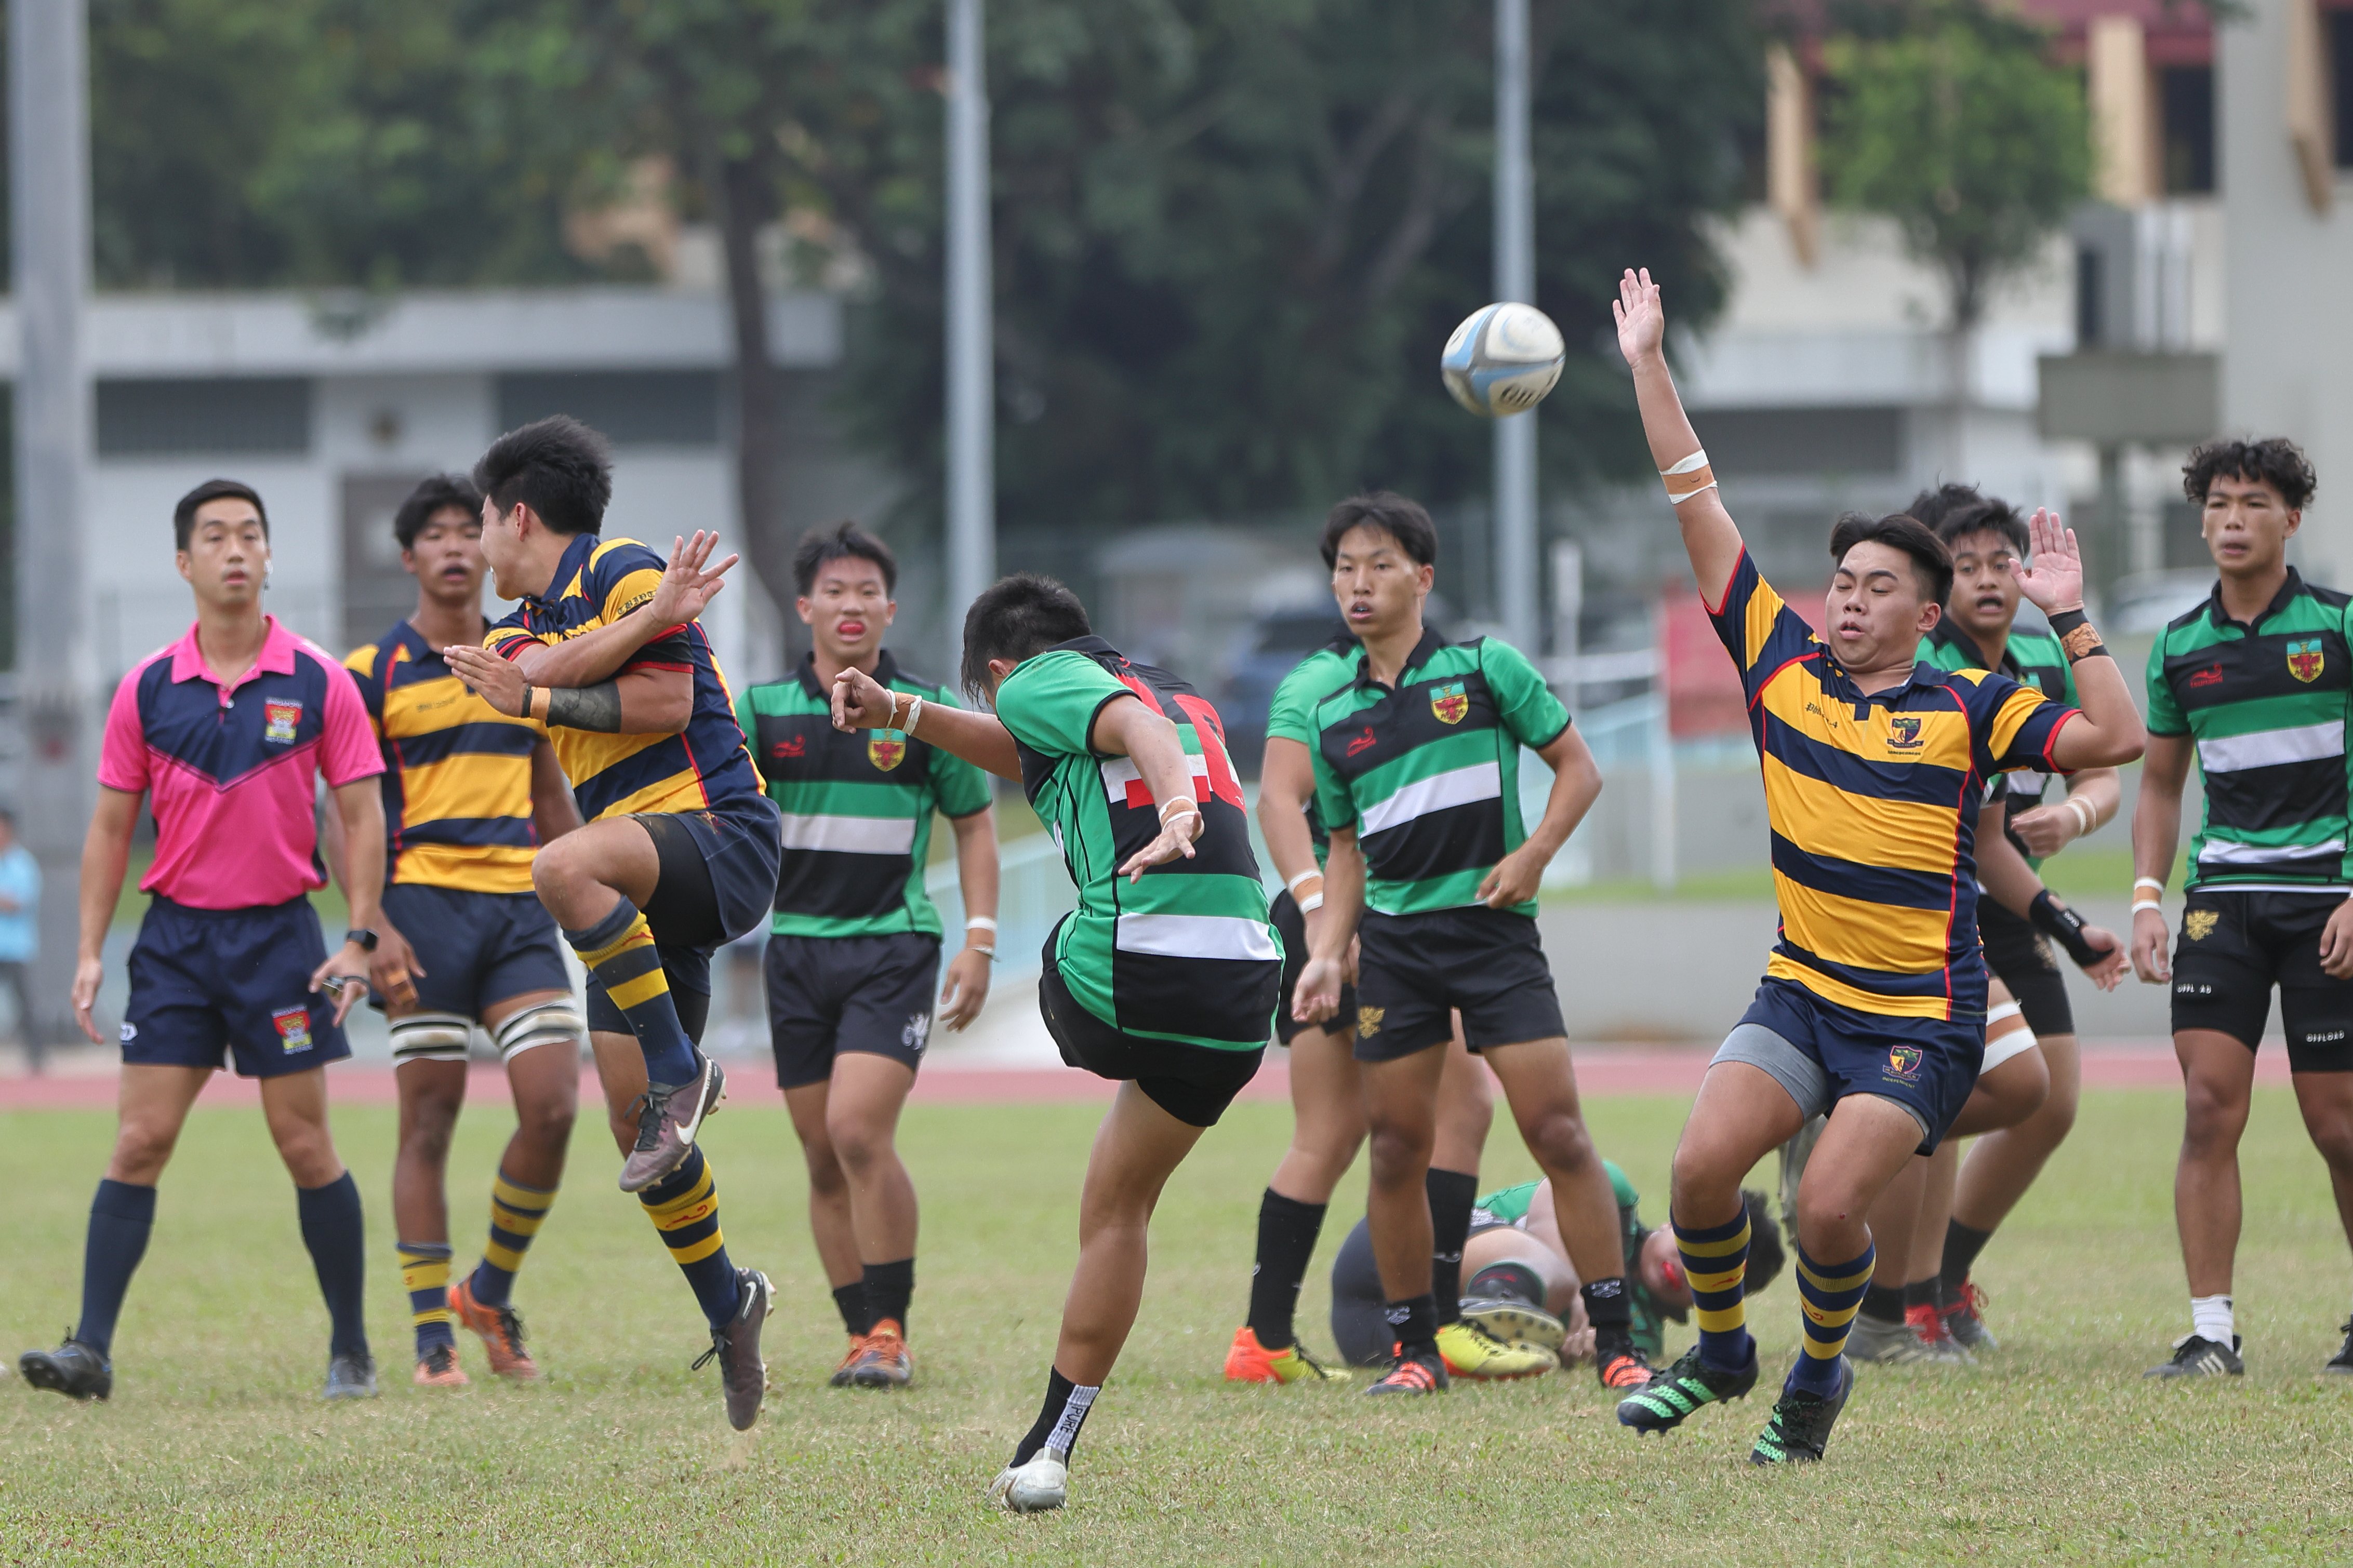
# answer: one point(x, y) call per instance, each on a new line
point(1163, 979)
point(1872, 1009)
point(227, 734)
point(680, 848)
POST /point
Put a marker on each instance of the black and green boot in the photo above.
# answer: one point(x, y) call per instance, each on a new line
point(1801, 1423)
point(1661, 1404)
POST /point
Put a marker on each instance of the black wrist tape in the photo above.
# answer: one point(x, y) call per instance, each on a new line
point(2063, 926)
point(2078, 638)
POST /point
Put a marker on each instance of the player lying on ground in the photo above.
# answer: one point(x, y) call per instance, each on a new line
point(1163, 979)
point(227, 733)
point(679, 852)
point(469, 793)
point(1872, 1006)
point(853, 959)
point(1416, 778)
point(2256, 682)
point(1520, 1287)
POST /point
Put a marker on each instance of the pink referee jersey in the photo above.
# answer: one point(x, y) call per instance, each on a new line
point(231, 771)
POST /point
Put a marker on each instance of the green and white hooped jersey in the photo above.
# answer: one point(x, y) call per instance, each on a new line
point(1186, 952)
point(2266, 703)
point(1429, 773)
point(2032, 658)
point(1290, 715)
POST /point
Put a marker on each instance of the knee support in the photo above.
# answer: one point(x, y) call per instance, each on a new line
point(548, 1023)
point(430, 1037)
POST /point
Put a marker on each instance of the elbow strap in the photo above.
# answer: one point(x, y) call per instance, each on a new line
point(1688, 477)
point(2063, 926)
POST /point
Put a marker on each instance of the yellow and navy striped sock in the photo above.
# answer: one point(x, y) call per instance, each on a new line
point(1716, 1262)
point(516, 1213)
point(619, 951)
point(684, 1207)
point(424, 1275)
point(1829, 1296)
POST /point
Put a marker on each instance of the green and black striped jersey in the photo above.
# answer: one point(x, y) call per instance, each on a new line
point(2266, 704)
point(1428, 772)
point(857, 807)
point(2032, 658)
point(1184, 953)
point(1291, 716)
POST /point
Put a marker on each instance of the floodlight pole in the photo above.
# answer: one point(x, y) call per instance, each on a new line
point(57, 679)
point(1516, 577)
point(970, 339)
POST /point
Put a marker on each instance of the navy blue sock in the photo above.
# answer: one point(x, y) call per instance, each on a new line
point(684, 1207)
point(120, 1217)
point(334, 1231)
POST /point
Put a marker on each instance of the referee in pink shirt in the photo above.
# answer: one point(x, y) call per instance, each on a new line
point(226, 732)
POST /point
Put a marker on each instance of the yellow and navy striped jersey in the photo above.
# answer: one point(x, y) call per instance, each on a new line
point(598, 582)
point(456, 772)
point(1872, 802)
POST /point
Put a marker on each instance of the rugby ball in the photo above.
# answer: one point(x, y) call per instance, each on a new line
point(1502, 359)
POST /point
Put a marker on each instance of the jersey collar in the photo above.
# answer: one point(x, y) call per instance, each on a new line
point(1950, 635)
point(2288, 591)
point(1423, 652)
point(572, 563)
point(277, 657)
point(886, 670)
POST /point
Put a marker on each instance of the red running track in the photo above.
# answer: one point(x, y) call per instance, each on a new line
point(1601, 1070)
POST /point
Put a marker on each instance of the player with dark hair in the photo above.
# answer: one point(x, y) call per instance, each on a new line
point(680, 848)
point(1416, 779)
point(853, 959)
point(1163, 979)
point(1872, 1006)
point(227, 733)
point(469, 793)
point(2256, 682)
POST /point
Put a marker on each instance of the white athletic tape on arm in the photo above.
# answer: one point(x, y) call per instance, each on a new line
point(2087, 816)
point(1311, 903)
point(1310, 874)
point(1695, 476)
point(2140, 883)
point(2148, 904)
point(980, 922)
point(914, 715)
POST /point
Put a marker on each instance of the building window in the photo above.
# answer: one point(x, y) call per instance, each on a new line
point(631, 407)
point(2188, 107)
point(246, 415)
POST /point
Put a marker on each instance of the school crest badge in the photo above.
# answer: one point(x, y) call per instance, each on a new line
point(2304, 659)
point(293, 1028)
point(886, 749)
point(2199, 925)
point(279, 720)
point(1369, 1021)
point(1450, 702)
point(1903, 732)
point(1904, 1062)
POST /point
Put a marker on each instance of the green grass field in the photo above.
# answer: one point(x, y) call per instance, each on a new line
point(216, 1449)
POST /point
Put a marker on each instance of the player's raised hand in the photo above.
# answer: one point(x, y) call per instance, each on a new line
point(688, 583)
point(1640, 315)
point(87, 974)
point(2150, 936)
point(488, 675)
point(2055, 582)
point(861, 702)
point(1180, 824)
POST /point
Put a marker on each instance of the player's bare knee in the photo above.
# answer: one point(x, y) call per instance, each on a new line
point(2214, 1117)
point(142, 1150)
point(1561, 1143)
point(546, 1124)
point(859, 1145)
point(1400, 1153)
point(1702, 1183)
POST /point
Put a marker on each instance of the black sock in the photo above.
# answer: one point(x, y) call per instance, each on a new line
point(1882, 1302)
point(120, 1217)
point(1920, 1293)
point(1508, 1282)
point(889, 1288)
point(1413, 1323)
point(1451, 1196)
point(1287, 1230)
point(1962, 1245)
point(334, 1231)
point(1611, 1314)
point(850, 1303)
point(1058, 1419)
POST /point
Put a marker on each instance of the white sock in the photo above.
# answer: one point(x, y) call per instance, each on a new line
point(2209, 1319)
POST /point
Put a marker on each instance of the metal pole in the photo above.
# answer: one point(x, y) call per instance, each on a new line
point(48, 188)
point(971, 342)
point(1517, 594)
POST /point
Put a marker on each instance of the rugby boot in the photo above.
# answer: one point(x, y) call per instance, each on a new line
point(1801, 1424)
point(2194, 1355)
point(73, 1368)
point(1662, 1404)
point(668, 1117)
point(1621, 1366)
point(1041, 1484)
point(1964, 1317)
point(1246, 1360)
point(350, 1375)
point(840, 1378)
point(1886, 1343)
point(743, 1375)
point(1471, 1352)
point(882, 1360)
point(2342, 1361)
point(1514, 1322)
point(501, 1330)
point(1927, 1325)
point(439, 1368)
point(1424, 1373)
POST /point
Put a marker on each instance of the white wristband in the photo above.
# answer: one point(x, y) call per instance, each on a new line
point(1177, 805)
point(2140, 883)
point(980, 922)
point(1311, 903)
point(914, 713)
point(2087, 816)
point(2148, 904)
point(1292, 886)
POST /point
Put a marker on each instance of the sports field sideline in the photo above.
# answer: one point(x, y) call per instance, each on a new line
point(215, 1447)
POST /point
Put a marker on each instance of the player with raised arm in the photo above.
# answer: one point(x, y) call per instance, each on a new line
point(1163, 979)
point(469, 792)
point(853, 959)
point(680, 848)
point(2255, 682)
point(1872, 1009)
point(1416, 778)
point(226, 734)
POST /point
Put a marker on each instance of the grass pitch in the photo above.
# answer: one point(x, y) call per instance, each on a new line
point(215, 1447)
